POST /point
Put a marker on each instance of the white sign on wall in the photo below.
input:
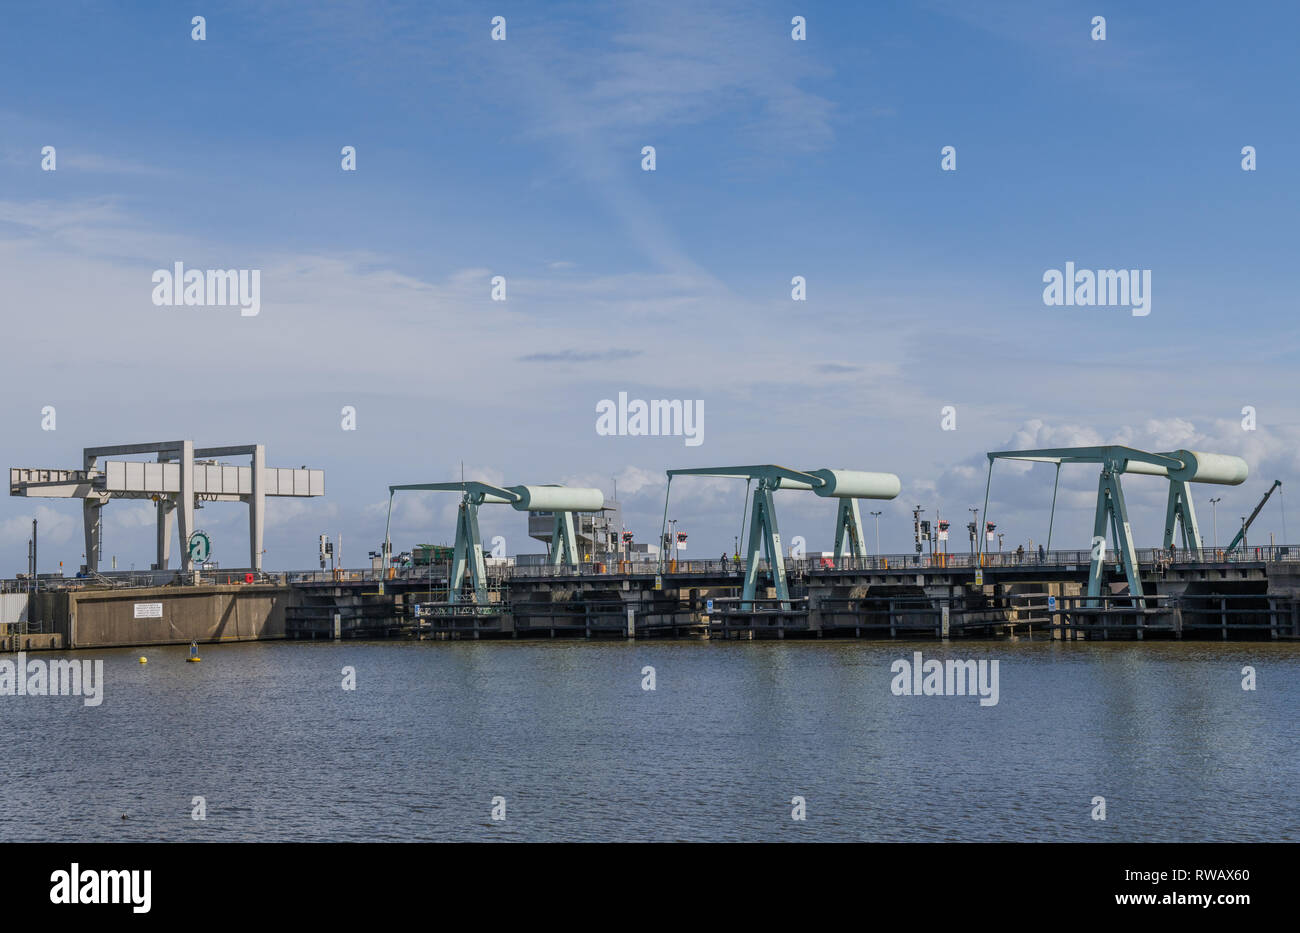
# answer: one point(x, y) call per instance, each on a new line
point(148, 610)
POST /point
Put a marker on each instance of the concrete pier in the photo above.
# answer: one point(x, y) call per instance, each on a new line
point(878, 598)
point(93, 618)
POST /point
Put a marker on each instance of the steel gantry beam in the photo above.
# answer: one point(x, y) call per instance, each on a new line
point(182, 477)
point(467, 554)
point(1180, 467)
point(764, 534)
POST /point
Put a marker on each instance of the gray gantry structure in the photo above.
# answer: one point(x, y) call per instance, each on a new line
point(846, 485)
point(179, 482)
point(467, 555)
point(1180, 467)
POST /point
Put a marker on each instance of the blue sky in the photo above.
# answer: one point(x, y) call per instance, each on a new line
point(522, 158)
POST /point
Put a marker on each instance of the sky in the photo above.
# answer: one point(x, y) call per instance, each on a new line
point(522, 158)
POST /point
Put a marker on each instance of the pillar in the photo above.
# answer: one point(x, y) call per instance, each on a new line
point(185, 504)
point(257, 508)
point(166, 509)
point(91, 517)
point(91, 520)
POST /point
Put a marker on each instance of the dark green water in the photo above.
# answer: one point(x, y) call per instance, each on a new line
point(564, 731)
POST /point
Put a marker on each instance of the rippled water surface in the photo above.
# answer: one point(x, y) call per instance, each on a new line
point(565, 733)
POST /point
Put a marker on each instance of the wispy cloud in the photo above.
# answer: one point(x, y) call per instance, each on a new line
point(580, 356)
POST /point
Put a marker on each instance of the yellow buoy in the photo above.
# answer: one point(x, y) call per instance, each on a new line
point(144, 660)
point(195, 658)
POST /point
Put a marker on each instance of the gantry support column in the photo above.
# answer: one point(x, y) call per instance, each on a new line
point(185, 503)
point(91, 518)
point(257, 508)
point(166, 510)
point(92, 511)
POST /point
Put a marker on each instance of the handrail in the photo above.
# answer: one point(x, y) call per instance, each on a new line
point(1068, 561)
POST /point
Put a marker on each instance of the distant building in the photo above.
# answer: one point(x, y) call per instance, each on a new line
point(644, 551)
point(598, 533)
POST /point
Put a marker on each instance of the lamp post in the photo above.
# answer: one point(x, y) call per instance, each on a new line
point(975, 527)
point(876, 516)
point(1214, 514)
point(916, 530)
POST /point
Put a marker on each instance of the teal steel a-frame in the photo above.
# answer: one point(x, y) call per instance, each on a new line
point(1112, 510)
point(564, 543)
point(1180, 513)
point(764, 532)
point(848, 531)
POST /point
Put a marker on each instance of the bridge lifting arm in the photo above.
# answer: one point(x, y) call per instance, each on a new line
point(1241, 535)
point(467, 555)
point(1180, 467)
point(764, 534)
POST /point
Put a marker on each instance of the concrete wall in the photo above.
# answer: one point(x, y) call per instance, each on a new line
point(102, 618)
point(11, 641)
point(13, 607)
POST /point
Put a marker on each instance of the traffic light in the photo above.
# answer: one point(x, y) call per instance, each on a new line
point(925, 531)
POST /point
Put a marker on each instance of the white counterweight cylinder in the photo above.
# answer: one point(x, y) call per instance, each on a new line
point(558, 499)
point(857, 484)
point(1199, 467)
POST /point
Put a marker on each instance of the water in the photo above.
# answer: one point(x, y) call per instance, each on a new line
point(564, 731)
